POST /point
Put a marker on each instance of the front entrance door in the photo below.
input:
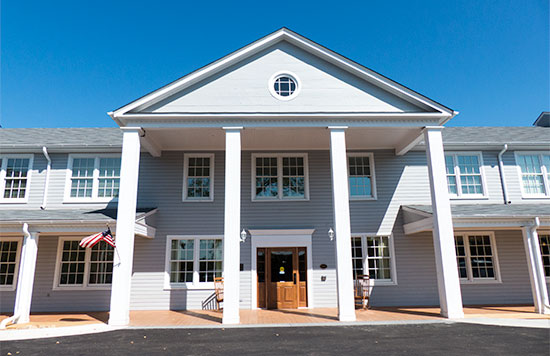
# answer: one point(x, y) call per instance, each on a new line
point(282, 277)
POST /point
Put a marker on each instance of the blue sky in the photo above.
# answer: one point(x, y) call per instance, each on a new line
point(67, 63)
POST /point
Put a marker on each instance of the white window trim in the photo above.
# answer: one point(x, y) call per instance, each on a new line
point(545, 180)
point(284, 73)
point(17, 260)
point(195, 284)
point(186, 157)
point(3, 166)
point(393, 269)
point(372, 173)
point(457, 174)
point(95, 179)
point(84, 285)
point(470, 279)
point(279, 157)
point(544, 232)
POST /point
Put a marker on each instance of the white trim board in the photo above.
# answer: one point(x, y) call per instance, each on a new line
point(280, 238)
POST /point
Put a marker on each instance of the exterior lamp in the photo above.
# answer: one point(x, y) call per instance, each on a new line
point(243, 236)
point(331, 234)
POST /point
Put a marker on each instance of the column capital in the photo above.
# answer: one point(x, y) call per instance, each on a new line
point(132, 129)
point(233, 128)
point(337, 127)
point(433, 128)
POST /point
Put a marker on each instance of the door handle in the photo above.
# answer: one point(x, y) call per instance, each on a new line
point(294, 277)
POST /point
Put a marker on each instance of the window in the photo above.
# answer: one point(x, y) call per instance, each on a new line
point(284, 86)
point(361, 176)
point(9, 260)
point(534, 171)
point(373, 256)
point(476, 257)
point(193, 260)
point(83, 267)
point(544, 241)
point(15, 178)
point(93, 178)
point(464, 175)
point(198, 177)
point(210, 260)
point(279, 176)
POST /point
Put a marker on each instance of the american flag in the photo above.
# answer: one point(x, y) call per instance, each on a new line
point(91, 240)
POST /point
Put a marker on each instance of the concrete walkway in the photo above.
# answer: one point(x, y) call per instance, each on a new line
point(58, 324)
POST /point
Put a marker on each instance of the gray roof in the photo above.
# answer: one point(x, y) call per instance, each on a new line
point(87, 137)
point(543, 119)
point(107, 215)
point(491, 210)
point(496, 135)
point(61, 137)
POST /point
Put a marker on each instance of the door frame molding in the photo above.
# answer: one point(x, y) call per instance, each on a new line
point(268, 238)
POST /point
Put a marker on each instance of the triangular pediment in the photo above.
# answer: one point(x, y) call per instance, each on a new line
point(241, 82)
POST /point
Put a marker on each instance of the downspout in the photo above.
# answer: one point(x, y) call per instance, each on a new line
point(16, 314)
point(502, 179)
point(48, 168)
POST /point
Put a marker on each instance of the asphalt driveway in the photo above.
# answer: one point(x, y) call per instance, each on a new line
point(420, 339)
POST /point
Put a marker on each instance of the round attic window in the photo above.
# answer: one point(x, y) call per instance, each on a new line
point(284, 86)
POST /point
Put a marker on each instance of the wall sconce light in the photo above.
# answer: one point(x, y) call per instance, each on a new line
point(243, 235)
point(331, 234)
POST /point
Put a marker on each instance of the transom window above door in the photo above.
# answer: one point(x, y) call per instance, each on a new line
point(198, 180)
point(280, 177)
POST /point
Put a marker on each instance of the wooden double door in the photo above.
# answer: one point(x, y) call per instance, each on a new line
point(282, 277)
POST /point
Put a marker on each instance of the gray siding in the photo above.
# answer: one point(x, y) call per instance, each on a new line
point(400, 180)
point(44, 298)
point(417, 280)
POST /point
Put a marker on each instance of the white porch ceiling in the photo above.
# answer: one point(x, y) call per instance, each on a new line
point(279, 139)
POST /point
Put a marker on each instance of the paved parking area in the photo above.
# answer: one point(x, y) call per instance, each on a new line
point(419, 339)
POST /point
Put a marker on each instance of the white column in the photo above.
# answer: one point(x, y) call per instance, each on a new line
point(126, 216)
point(25, 280)
point(536, 268)
point(232, 225)
point(342, 228)
point(448, 284)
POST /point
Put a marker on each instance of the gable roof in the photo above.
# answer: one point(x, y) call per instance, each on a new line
point(306, 44)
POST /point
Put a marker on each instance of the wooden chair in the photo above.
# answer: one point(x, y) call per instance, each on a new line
point(218, 286)
point(362, 291)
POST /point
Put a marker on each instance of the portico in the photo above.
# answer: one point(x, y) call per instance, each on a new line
point(282, 117)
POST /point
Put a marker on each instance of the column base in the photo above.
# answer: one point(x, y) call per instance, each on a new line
point(459, 314)
point(347, 317)
point(22, 320)
point(117, 321)
point(231, 320)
